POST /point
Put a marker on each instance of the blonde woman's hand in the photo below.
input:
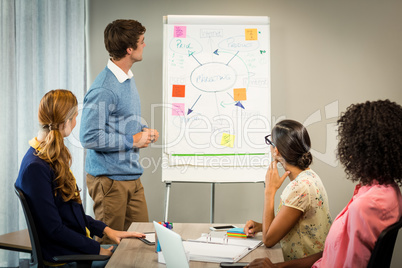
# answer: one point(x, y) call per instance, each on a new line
point(106, 251)
point(272, 179)
point(117, 236)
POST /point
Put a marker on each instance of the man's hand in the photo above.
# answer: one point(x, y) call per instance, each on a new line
point(145, 137)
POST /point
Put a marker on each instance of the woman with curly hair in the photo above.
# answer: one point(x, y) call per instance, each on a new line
point(50, 187)
point(303, 220)
point(370, 144)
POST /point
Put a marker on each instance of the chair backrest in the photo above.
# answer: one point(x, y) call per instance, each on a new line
point(384, 247)
point(36, 256)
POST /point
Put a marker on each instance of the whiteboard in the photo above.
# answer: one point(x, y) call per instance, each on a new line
point(216, 98)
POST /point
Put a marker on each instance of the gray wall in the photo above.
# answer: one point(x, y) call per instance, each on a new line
point(323, 52)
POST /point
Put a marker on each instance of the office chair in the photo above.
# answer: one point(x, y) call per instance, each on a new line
point(83, 260)
point(384, 247)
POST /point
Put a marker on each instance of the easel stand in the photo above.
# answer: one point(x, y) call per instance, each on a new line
point(212, 210)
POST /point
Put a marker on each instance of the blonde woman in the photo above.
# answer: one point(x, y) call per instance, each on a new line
point(51, 189)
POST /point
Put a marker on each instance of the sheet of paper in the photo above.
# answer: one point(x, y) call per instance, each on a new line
point(209, 252)
point(250, 243)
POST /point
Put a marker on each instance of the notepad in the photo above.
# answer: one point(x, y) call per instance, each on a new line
point(236, 232)
point(209, 252)
point(250, 243)
point(215, 249)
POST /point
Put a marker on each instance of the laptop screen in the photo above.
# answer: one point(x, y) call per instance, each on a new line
point(172, 247)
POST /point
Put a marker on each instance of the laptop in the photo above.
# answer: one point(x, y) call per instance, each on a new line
point(172, 247)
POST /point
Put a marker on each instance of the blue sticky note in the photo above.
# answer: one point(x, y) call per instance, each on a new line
point(236, 230)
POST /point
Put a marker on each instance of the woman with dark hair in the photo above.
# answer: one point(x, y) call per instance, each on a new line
point(51, 189)
point(303, 219)
point(370, 145)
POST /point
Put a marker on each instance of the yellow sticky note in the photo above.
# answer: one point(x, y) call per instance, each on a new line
point(227, 140)
point(239, 94)
point(251, 34)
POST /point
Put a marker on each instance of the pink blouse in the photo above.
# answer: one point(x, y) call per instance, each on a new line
point(355, 230)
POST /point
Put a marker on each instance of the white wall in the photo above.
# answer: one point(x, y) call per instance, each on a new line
point(326, 55)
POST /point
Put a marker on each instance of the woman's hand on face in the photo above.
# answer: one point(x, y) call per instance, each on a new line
point(272, 179)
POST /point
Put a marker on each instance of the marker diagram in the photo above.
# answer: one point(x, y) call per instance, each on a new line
point(217, 89)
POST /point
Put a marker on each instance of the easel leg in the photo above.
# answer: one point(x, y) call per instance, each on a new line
point(167, 195)
point(212, 202)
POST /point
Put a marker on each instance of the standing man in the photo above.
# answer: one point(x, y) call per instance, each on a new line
point(112, 131)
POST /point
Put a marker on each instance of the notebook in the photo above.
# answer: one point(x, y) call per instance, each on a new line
point(211, 252)
point(218, 249)
point(172, 247)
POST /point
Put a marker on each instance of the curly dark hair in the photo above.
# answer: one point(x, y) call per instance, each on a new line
point(370, 142)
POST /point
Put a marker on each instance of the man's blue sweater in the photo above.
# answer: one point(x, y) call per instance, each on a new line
point(110, 117)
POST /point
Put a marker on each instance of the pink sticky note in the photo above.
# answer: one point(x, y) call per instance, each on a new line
point(179, 32)
point(178, 109)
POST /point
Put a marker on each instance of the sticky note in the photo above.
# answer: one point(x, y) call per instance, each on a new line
point(236, 232)
point(179, 91)
point(179, 31)
point(251, 34)
point(178, 109)
point(239, 94)
point(227, 140)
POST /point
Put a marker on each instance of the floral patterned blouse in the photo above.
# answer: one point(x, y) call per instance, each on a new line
point(306, 193)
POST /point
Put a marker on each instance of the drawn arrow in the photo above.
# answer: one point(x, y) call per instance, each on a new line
point(232, 58)
point(190, 53)
point(191, 109)
point(262, 51)
point(239, 104)
point(216, 52)
point(223, 104)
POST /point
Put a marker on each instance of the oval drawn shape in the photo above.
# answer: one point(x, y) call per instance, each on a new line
point(184, 45)
point(213, 77)
point(238, 43)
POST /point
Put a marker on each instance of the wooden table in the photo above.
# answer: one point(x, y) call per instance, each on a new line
point(16, 241)
point(134, 253)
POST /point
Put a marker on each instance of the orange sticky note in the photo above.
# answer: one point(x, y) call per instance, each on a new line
point(251, 34)
point(179, 91)
point(239, 94)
